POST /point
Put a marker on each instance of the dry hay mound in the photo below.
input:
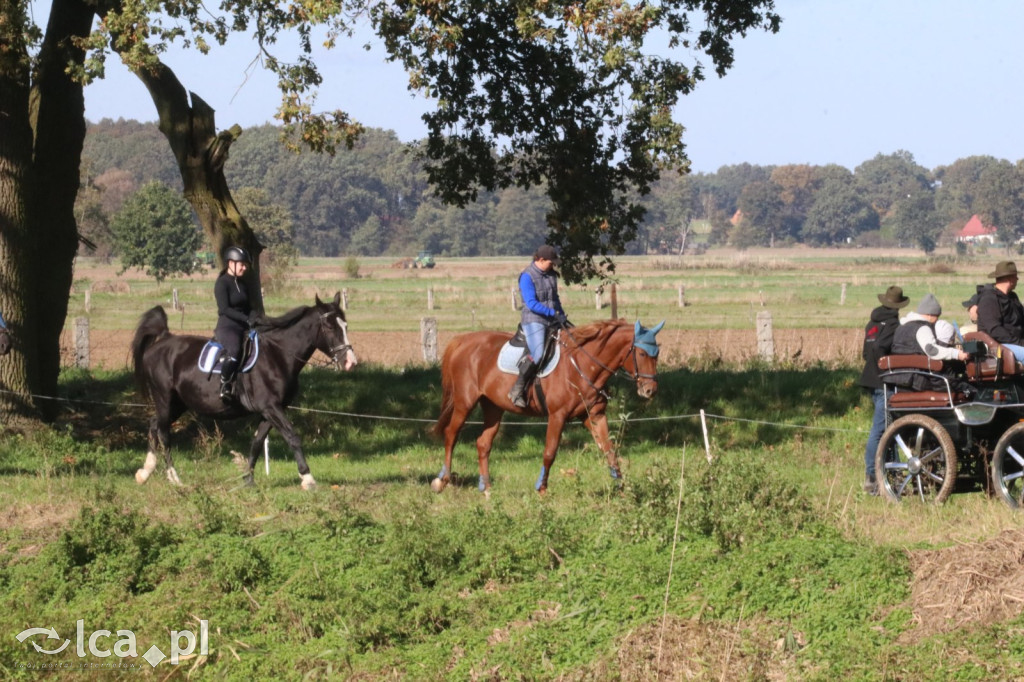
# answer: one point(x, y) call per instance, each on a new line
point(692, 650)
point(967, 585)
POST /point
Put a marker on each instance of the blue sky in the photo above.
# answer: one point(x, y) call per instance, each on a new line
point(842, 81)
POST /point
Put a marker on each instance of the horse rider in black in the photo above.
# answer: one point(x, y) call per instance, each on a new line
point(234, 315)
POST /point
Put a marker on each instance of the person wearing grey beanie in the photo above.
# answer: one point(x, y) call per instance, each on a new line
point(916, 333)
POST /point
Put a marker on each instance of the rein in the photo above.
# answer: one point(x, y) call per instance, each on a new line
point(637, 375)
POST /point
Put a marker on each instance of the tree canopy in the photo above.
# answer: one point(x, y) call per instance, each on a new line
point(551, 93)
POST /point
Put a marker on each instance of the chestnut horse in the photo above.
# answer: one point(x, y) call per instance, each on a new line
point(166, 369)
point(590, 355)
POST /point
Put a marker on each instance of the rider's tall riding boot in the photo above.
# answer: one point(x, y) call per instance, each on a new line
point(527, 370)
point(227, 379)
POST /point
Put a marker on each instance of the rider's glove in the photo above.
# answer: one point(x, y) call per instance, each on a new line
point(562, 320)
point(254, 317)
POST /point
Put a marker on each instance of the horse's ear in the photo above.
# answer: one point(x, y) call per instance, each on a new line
point(337, 298)
point(657, 327)
point(318, 301)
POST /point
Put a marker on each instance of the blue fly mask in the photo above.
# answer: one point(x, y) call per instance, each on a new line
point(643, 338)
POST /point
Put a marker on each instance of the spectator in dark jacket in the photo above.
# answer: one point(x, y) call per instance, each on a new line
point(878, 334)
point(1000, 313)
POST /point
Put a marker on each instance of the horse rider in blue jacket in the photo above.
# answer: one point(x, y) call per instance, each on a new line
point(538, 287)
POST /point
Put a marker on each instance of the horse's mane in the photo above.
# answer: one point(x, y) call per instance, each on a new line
point(595, 329)
point(287, 319)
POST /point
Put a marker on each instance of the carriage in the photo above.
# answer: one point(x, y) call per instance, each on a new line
point(953, 428)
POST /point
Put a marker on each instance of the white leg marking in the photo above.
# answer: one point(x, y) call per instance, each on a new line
point(308, 483)
point(172, 476)
point(142, 475)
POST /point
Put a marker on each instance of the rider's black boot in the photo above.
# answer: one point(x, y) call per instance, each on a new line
point(527, 370)
point(227, 379)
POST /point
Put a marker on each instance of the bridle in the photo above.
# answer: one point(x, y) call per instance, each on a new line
point(339, 348)
point(637, 374)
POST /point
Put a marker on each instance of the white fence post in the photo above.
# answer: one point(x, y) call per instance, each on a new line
point(765, 338)
point(82, 342)
point(428, 338)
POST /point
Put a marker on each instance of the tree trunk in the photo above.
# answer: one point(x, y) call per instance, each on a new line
point(15, 164)
point(201, 153)
point(42, 130)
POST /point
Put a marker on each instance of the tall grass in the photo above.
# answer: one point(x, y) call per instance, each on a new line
point(374, 576)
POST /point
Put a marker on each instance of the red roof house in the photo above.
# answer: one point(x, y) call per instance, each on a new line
point(975, 231)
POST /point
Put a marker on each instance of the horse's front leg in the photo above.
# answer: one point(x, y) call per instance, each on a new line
point(597, 424)
point(554, 437)
point(277, 419)
point(254, 450)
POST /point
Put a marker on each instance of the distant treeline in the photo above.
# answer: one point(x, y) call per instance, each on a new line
point(374, 199)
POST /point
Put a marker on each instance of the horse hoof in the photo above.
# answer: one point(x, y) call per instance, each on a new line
point(141, 476)
point(172, 476)
point(487, 494)
point(437, 485)
point(308, 483)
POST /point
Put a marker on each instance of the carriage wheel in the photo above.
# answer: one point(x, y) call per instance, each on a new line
point(1008, 466)
point(916, 457)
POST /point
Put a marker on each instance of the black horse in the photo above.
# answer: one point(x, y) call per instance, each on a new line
point(166, 369)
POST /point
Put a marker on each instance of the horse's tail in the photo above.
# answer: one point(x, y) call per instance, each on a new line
point(152, 327)
point(447, 387)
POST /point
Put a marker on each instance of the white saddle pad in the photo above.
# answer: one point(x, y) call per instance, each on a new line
point(509, 357)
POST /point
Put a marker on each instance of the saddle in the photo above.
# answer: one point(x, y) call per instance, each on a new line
point(212, 355)
point(514, 348)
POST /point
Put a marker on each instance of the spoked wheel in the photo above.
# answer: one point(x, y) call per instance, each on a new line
point(916, 458)
point(1008, 466)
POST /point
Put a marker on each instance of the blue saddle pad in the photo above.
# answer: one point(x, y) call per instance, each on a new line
point(508, 359)
point(211, 355)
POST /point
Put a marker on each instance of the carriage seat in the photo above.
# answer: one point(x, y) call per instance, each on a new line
point(997, 363)
point(917, 361)
point(919, 399)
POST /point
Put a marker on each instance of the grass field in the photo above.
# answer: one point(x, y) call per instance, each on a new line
point(758, 558)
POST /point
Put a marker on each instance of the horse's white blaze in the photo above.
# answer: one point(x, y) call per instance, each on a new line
point(308, 483)
point(142, 475)
point(350, 355)
point(172, 476)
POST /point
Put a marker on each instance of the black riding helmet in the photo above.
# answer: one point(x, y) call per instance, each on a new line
point(237, 253)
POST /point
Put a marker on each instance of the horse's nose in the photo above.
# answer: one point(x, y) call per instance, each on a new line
point(646, 390)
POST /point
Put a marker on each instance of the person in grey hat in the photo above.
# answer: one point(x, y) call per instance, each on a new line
point(538, 287)
point(1000, 313)
point(916, 334)
point(878, 335)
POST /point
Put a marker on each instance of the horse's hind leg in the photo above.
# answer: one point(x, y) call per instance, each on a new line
point(160, 441)
point(492, 421)
point(451, 436)
point(254, 450)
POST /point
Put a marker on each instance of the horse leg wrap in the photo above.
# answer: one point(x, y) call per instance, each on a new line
point(484, 484)
point(143, 474)
point(540, 479)
point(614, 471)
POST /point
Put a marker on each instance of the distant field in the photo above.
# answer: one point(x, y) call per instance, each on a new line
point(723, 291)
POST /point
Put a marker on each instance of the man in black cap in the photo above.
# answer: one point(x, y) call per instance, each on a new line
point(538, 287)
point(878, 335)
point(1000, 313)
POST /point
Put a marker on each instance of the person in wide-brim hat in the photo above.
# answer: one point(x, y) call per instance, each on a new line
point(1006, 268)
point(893, 298)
